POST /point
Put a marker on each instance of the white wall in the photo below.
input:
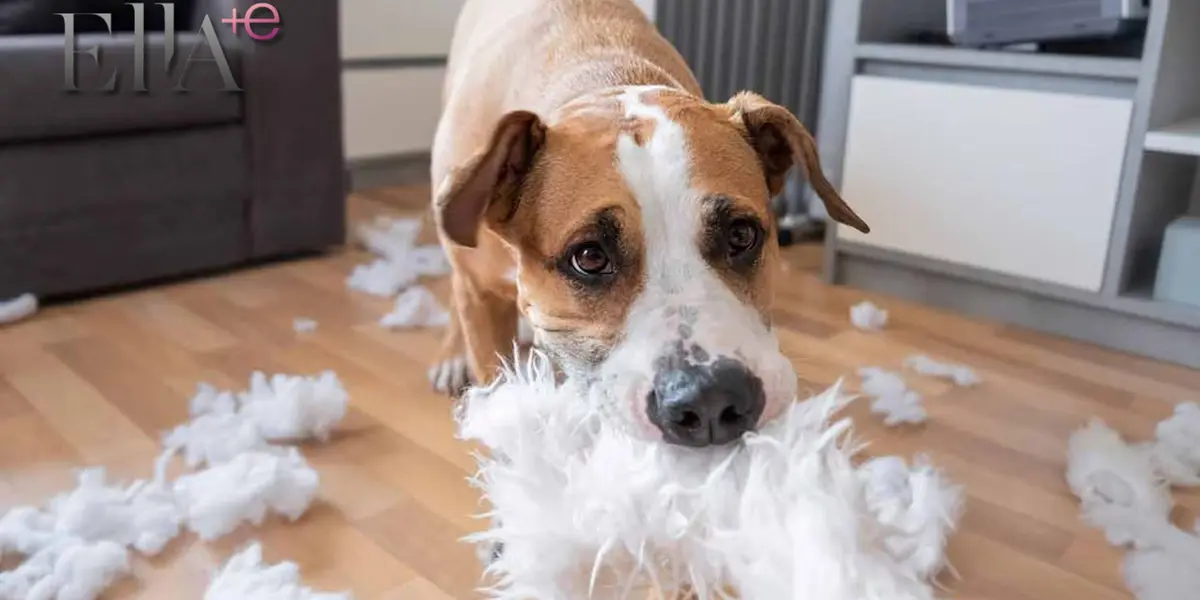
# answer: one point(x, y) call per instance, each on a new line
point(392, 28)
point(391, 94)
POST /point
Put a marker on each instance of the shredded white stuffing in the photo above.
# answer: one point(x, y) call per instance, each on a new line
point(142, 515)
point(289, 407)
point(304, 325)
point(1176, 451)
point(78, 544)
point(1114, 481)
point(216, 501)
point(1164, 574)
point(961, 375)
point(382, 277)
point(217, 432)
point(582, 509)
point(15, 309)
point(892, 398)
point(401, 262)
point(389, 237)
point(284, 407)
point(1123, 494)
point(66, 569)
point(247, 577)
point(918, 505)
point(416, 307)
point(867, 316)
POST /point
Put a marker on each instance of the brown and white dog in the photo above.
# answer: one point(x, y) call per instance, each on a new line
point(582, 182)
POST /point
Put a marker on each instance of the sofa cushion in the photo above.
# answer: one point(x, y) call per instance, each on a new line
point(88, 214)
point(36, 104)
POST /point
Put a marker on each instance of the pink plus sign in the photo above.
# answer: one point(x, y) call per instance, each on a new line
point(249, 19)
point(233, 20)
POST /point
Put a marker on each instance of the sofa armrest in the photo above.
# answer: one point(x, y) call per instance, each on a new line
point(293, 114)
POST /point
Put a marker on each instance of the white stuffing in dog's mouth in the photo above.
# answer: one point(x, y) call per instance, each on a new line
point(580, 509)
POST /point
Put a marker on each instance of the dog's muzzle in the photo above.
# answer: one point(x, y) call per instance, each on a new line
point(705, 405)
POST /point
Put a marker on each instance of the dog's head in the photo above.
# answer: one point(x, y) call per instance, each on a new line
point(646, 249)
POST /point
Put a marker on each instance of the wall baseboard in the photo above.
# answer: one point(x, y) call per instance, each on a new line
point(388, 171)
point(393, 62)
point(1026, 308)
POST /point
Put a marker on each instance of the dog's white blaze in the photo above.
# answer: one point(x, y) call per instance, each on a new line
point(681, 291)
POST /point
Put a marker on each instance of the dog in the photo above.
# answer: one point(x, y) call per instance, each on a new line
point(583, 185)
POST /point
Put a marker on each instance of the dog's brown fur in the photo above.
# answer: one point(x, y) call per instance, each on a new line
point(523, 157)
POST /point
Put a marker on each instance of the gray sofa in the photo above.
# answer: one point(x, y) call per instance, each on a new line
point(100, 190)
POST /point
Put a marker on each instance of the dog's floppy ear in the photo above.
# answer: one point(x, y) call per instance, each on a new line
point(782, 141)
point(487, 185)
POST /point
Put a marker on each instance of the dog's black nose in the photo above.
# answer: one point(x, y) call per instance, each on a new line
point(705, 405)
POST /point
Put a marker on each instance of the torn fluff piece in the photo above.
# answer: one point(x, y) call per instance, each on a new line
point(867, 316)
point(582, 510)
point(416, 307)
point(21, 307)
point(66, 568)
point(282, 408)
point(216, 501)
point(77, 545)
point(401, 262)
point(892, 398)
point(304, 325)
point(1176, 449)
point(961, 375)
point(247, 577)
point(1123, 495)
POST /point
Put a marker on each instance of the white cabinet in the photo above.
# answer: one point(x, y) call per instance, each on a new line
point(1015, 181)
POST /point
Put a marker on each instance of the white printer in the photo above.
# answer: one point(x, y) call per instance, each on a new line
point(981, 23)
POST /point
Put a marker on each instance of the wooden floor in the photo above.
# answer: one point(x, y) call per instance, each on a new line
point(97, 382)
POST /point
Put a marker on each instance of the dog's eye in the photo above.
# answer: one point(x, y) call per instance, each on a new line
point(591, 259)
point(742, 236)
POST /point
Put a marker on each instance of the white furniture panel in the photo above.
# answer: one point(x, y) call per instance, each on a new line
point(648, 7)
point(397, 28)
point(1180, 138)
point(390, 112)
point(1015, 181)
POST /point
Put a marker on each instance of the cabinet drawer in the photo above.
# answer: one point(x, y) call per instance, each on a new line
point(1014, 181)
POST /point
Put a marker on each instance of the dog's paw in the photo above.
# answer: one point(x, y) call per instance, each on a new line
point(450, 376)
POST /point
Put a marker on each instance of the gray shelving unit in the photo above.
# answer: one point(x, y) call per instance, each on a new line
point(1158, 181)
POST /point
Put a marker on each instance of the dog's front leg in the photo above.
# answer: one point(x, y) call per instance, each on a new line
point(449, 374)
point(488, 324)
